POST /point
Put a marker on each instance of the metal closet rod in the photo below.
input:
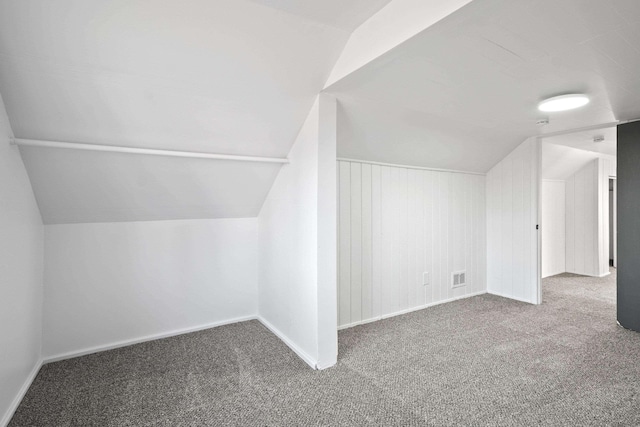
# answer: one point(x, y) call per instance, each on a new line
point(130, 150)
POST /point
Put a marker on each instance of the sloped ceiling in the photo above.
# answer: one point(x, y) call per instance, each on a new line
point(346, 15)
point(239, 77)
point(463, 93)
point(217, 76)
point(559, 162)
point(584, 140)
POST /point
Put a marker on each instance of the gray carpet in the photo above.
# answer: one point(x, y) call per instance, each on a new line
point(480, 361)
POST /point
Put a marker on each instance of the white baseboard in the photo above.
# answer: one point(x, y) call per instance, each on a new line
point(590, 275)
point(111, 346)
point(409, 310)
point(69, 355)
point(322, 366)
point(498, 294)
point(25, 387)
point(301, 353)
point(555, 273)
point(23, 390)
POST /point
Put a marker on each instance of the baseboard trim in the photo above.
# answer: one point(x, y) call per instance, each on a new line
point(91, 350)
point(97, 349)
point(498, 294)
point(321, 366)
point(590, 275)
point(125, 343)
point(23, 390)
point(552, 274)
point(297, 350)
point(409, 310)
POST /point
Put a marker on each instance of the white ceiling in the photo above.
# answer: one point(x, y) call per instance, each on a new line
point(217, 76)
point(370, 130)
point(240, 76)
point(559, 162)
point(221, 76)
point(346, 15)
point(463, 93)
point(584, 140)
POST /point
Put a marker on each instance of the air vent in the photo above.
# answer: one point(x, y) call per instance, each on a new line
point(458, 278)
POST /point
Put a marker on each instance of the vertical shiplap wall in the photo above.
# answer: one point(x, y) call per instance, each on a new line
point(553, 228)
point(587, 225)
point(512, 211)
point(396, 223)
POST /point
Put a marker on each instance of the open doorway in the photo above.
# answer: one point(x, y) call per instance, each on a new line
point(578, 215)
point(613, 221)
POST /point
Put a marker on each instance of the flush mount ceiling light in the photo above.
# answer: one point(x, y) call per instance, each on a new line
point(563, 102)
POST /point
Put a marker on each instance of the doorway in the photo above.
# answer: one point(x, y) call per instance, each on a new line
point(578, 211)
point(613, 223)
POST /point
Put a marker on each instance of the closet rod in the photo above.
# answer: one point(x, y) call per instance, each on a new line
point(130, 150)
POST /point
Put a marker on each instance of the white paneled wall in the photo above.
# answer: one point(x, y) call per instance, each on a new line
point(512, 239)
point(396, 223)
point(587, 210)
point(553, 228)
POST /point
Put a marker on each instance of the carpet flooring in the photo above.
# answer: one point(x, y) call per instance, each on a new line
point(481, 361)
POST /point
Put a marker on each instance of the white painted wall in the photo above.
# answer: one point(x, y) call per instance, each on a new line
point(553, 227)
point(108, 284)
point(288, 225)
point(587, 210)
point(21, 258)
point(297, 243)
point(74, 186)
point(512, 239)
point(396, 223)
point(606, 168)
point(327, 233)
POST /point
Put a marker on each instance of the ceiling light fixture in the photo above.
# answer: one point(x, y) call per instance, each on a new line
point(563, 102)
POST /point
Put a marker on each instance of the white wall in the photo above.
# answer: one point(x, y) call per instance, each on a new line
point(587, 210)
point(297, 243)
point(327, 233)
point(396, 223)
point(553, 228)
point(512, 239)
point(21, 258)
point(288, 246)
point(108, 284)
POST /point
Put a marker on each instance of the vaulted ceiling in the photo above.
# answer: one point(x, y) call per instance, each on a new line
point(463, 93)
point(584, 140)
point(216, 76)
point(565, 154)
point(559, 161)
point(240, 76)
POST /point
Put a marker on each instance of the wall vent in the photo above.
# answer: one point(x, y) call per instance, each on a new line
point(458, 278)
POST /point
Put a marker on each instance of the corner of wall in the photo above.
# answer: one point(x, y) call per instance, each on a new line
point(287, 230)
point(512, 204)
point(21, 282)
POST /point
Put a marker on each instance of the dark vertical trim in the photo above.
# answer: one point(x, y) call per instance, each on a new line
point(629, 222)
